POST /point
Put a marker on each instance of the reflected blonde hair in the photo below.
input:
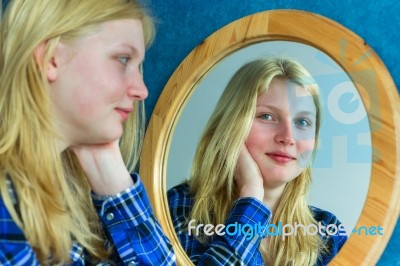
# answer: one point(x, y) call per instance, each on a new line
point(53, 193)
point(212, 176)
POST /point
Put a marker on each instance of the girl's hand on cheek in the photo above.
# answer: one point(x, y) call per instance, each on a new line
point(104, 167)
point(248, 176)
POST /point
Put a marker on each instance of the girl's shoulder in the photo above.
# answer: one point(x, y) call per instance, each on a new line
point(323, 216)
point(180, 194)
point(10, 233)
point(180, 200)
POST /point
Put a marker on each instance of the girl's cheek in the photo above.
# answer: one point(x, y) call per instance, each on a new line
point(85, 102)
point(305, 158)
point(307, 145)
point(305, 149)
point(87, 109)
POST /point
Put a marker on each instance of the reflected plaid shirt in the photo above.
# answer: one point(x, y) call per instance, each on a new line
point(235, 249)
point(128, 222)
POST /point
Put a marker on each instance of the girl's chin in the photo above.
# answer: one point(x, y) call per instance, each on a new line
point(114, 135)
point(276, 181)
point(105, 139)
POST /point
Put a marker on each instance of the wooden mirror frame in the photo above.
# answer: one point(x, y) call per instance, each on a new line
point(358, 60)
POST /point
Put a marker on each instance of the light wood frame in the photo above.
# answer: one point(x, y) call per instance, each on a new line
point(377, 90)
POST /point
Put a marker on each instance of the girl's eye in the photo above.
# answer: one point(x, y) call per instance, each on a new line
point(302, 122)
point(267, 117)
point(124, 60)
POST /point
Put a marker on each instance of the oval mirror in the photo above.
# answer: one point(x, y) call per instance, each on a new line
point(344, 155)
point(345, 68)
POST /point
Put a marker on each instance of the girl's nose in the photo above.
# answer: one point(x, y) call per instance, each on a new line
point(137, 89)
point(285, 134)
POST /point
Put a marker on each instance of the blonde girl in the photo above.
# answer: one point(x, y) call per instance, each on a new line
point(71, 91)
point(253, 167)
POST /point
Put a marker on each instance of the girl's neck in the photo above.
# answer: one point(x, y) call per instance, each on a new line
point(272, 196)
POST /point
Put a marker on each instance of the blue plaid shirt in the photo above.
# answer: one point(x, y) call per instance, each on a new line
point(236, 249)
point(128, 222)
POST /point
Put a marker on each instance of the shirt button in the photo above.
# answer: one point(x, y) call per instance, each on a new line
point(110, 216)
point(132, 263)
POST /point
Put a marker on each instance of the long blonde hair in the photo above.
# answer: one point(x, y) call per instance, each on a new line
point(53, 193)
point(212, 176)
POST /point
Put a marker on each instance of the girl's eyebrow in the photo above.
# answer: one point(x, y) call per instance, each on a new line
point(132, 49)
point(312, 113)
point(277, 109)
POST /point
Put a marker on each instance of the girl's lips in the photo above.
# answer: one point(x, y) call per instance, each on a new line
point(123, 112)
point(281, 157)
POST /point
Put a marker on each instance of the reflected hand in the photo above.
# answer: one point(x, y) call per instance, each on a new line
point(104, 167)
point(248, 176)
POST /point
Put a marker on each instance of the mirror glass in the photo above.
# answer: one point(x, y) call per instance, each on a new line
point(342, 168)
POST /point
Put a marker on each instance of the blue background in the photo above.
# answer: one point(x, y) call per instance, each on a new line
point(183, 24)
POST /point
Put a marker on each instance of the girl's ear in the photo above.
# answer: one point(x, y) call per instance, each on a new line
point(51, 65)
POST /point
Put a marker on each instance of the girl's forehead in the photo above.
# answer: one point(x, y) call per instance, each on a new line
point(285, 94)
point(285, 90)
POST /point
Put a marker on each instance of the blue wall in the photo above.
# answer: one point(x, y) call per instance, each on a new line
point(183, 24)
